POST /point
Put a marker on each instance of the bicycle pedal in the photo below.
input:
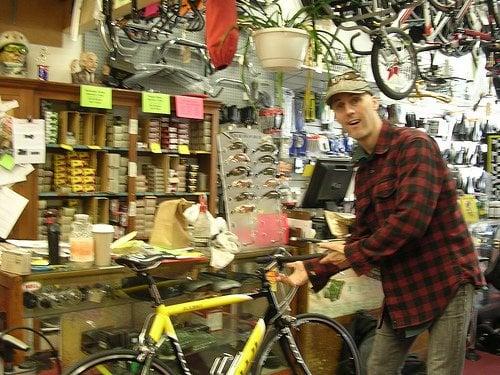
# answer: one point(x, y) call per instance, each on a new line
point(221, 364)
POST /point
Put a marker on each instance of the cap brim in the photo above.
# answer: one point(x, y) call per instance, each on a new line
point(363, 88)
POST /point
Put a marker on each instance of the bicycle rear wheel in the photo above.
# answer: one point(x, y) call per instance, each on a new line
point(116, 362)
point(395, 74)
point(320, 343)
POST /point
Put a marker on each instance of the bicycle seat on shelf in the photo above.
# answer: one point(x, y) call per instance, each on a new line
point(140, 262)
point(196, 285)
point(220, 282)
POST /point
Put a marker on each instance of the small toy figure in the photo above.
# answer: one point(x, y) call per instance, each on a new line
point(13, 54)
point(83, 70)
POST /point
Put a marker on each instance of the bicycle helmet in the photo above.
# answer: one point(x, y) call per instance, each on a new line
point(13, 37)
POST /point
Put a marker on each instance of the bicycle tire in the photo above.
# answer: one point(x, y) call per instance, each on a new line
point(121, 361)
point(395, 86)
point(276, 353)
point(443, 5)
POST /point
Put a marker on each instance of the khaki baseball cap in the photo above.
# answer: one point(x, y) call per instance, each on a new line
point(350, 82)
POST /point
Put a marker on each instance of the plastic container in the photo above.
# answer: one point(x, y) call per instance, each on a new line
point(201, 228)
point(81, 240)
point(103, 236)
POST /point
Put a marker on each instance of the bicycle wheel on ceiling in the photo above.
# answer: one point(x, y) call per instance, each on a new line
point(116, 362)
point(394, 63)
point(313, 345)
point(444, 5)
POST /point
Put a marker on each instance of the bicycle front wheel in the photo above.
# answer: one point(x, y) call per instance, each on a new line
point(116, 362)
point(394, 63)
point(313, 345)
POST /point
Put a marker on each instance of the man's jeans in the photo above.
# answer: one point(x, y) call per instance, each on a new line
point(446, 346)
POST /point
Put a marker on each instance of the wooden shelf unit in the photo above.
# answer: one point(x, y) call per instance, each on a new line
point(30, 93)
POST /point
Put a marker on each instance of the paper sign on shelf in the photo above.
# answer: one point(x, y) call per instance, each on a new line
point(133, 126)
point(184, 150)
point(7, 161)
point(96, 97)
point(308, 170)
point(189, 107)
point(66, 147)
point(155, 148)
point(28, 141)
point(13, 205)
point(153, 102)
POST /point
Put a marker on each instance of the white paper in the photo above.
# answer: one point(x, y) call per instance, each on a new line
point(12, 205)
point(17, 174)
point(133, 126)
point(132, 169)
point(28, 140)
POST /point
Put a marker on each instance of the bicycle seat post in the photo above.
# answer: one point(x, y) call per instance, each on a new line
point(153, 289)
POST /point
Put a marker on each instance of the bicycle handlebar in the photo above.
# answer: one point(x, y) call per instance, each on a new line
point(282, 259)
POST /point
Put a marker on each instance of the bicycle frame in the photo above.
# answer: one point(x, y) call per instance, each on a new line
point(161, 328)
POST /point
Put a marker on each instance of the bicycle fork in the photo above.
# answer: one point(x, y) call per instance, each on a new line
point(240, 364)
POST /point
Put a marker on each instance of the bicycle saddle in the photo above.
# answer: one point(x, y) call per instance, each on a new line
point(196, 285)
point(220, 283)
point(140, 262)
point(14, 342)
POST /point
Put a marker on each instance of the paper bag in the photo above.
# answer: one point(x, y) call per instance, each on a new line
point(170, 226)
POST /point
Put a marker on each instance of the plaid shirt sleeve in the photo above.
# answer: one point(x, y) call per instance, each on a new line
point(419, 181)
point(320, 273)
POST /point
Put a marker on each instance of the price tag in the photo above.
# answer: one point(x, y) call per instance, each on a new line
point(153, 102)
point(184, 150)
point(94, 147)
point(132, 209)
point(66, 147)
point(133, 126)
point(96, 97)
point(155, 148)
point(132, 169)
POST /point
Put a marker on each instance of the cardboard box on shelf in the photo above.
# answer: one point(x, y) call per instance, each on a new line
point(121, 9)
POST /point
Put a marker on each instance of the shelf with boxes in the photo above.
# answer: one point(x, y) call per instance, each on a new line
point(95, 157)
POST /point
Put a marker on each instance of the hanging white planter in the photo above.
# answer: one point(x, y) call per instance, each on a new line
point(281, 49)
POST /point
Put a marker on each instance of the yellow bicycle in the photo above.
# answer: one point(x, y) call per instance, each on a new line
point(278, 343)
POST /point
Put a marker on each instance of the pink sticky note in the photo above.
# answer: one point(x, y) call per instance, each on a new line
point(189, 107)
point(272, 229)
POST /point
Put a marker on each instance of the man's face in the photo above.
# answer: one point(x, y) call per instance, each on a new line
point(357, 113)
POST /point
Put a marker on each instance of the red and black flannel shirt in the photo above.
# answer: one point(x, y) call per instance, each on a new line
point(408, 224)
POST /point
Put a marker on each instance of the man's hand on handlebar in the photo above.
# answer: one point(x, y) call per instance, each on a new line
point(298, 277)
point(335, 254)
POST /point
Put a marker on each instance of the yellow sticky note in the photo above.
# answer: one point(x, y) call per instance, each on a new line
point(66, 147)
point(155, 147)
point(7, 161)
point(96, 97)
point(468, 206)
point(184, 150)
point(153, 102)
point(308, 170)
point(120, 3)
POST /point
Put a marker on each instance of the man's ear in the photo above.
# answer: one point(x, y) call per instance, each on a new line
point(375, 103)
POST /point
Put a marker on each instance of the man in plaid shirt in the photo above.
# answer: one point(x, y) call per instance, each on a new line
point(408, 225)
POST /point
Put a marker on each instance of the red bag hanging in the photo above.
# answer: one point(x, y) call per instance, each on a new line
point(221, 31)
